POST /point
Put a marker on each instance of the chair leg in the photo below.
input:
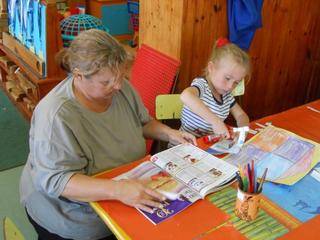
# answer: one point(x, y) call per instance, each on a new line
point(10, 230)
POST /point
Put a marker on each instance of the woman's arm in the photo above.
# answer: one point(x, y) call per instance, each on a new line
point(156, 130)
point(133, 193)
point(191, 99)
point(239, 115)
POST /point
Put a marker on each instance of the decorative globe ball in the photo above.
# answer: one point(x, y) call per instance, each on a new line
point(73, 25)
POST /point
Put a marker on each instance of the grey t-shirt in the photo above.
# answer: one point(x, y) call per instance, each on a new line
point(66, 138)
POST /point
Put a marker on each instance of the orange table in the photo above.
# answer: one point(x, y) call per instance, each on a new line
point(204, 220)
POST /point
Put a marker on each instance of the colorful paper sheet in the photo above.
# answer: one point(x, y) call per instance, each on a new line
point(287, 156)
point(302, 200)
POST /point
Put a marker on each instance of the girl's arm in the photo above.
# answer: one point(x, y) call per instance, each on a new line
point(239, 115)
point(190, 97)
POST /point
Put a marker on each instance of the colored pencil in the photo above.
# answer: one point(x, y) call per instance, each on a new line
point(256, 181)
point(240, 171)
point(240, 183)
point(249, 178)
point(253, 177)
point(245, 184)
point(262, 180)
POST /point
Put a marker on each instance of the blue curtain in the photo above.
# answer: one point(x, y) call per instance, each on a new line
point(244, 17)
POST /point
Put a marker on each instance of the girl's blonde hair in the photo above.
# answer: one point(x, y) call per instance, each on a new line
point(234, 52)
point(91, 51)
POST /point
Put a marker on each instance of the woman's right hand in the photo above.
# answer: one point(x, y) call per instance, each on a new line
point(219, 128)
point(134, 193)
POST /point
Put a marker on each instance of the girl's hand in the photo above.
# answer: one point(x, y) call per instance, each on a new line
point(177, 137)
point(136, 194)
point(221, 129)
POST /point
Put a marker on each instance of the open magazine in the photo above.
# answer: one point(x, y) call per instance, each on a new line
point(184, 174)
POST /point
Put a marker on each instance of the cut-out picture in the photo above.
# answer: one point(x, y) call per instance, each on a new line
point(190, 159)
point(170, 166)
point(163, 181)
point(196, 183)
point(215, 172)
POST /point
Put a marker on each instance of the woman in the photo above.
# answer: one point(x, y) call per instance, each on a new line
point(91, 121)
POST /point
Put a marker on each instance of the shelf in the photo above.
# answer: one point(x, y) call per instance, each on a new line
point(20, 105)
point(35, 77)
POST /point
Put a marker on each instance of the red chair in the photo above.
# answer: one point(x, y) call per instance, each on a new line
point(153, 73)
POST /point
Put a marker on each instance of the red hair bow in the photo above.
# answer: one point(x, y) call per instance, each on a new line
point(222, 41)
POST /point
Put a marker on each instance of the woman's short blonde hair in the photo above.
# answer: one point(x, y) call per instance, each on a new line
point(91, 51)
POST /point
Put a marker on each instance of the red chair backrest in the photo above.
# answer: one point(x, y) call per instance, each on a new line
point(153, 73)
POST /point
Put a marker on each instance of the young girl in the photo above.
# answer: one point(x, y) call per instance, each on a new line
point(208, 101)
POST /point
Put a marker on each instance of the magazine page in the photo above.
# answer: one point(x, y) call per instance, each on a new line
point(196, 168)
point(179, 196)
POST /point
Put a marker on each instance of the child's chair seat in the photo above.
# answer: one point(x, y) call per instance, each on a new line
point(10, 230)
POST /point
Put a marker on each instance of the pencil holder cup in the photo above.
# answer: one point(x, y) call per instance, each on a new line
point(247, 205)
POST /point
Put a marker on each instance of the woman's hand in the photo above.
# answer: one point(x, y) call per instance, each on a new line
point(156, 130)
point(136, 194)
point(176, 137)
